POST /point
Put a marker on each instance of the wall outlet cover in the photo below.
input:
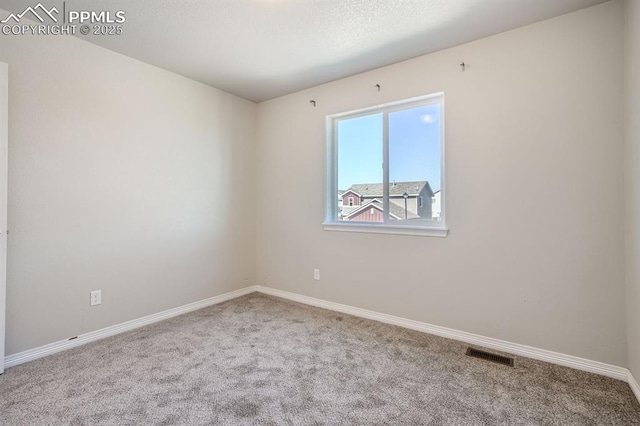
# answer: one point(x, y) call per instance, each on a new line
point(96, 297)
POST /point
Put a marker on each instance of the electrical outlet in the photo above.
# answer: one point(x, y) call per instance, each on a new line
point(316, 274)
point(96, 297)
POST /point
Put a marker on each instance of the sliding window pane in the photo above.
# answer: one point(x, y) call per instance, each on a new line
point(360, 173)
point(414, 163)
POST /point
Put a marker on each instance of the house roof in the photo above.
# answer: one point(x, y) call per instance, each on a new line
point(395, 211)
point(398, 212)
point(395, 188)
point(349, 190)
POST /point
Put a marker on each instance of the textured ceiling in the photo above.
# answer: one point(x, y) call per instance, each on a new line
point(261, 49)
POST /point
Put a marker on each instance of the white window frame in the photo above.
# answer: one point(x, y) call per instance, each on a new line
point(426, 227)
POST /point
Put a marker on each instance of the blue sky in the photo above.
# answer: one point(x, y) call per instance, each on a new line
point(414, 147)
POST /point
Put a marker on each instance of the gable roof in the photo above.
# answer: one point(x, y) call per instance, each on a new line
point(349, 190)
point(395, 188)
point(395, 211)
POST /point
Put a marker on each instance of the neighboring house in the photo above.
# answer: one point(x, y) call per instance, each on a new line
point(371, 211)
point(436, 205)
point(349, 201)
point(340, 192)
point(363, 202)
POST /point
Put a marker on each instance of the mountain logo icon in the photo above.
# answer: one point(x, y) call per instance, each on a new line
point(38, 12)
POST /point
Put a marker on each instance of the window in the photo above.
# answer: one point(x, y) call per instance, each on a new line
point(392, 156)
point(351, 201)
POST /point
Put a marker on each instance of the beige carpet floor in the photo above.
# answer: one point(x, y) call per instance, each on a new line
point(260, 360)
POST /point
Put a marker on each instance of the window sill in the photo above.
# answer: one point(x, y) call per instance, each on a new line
point(423, 231)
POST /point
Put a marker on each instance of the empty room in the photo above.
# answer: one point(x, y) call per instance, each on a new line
point(320, 212)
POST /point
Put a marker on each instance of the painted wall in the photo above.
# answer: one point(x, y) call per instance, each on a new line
point(535, 120)
point(4, 145)
point(632, 180)
point(123, 177)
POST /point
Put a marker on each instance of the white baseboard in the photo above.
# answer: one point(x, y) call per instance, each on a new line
point(634, 385)
point(42, 351)
point(596, 367)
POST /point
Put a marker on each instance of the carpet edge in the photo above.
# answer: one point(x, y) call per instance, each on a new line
point(571, 361)
point(59, 346)
point(596, 367)
point(634, 385)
